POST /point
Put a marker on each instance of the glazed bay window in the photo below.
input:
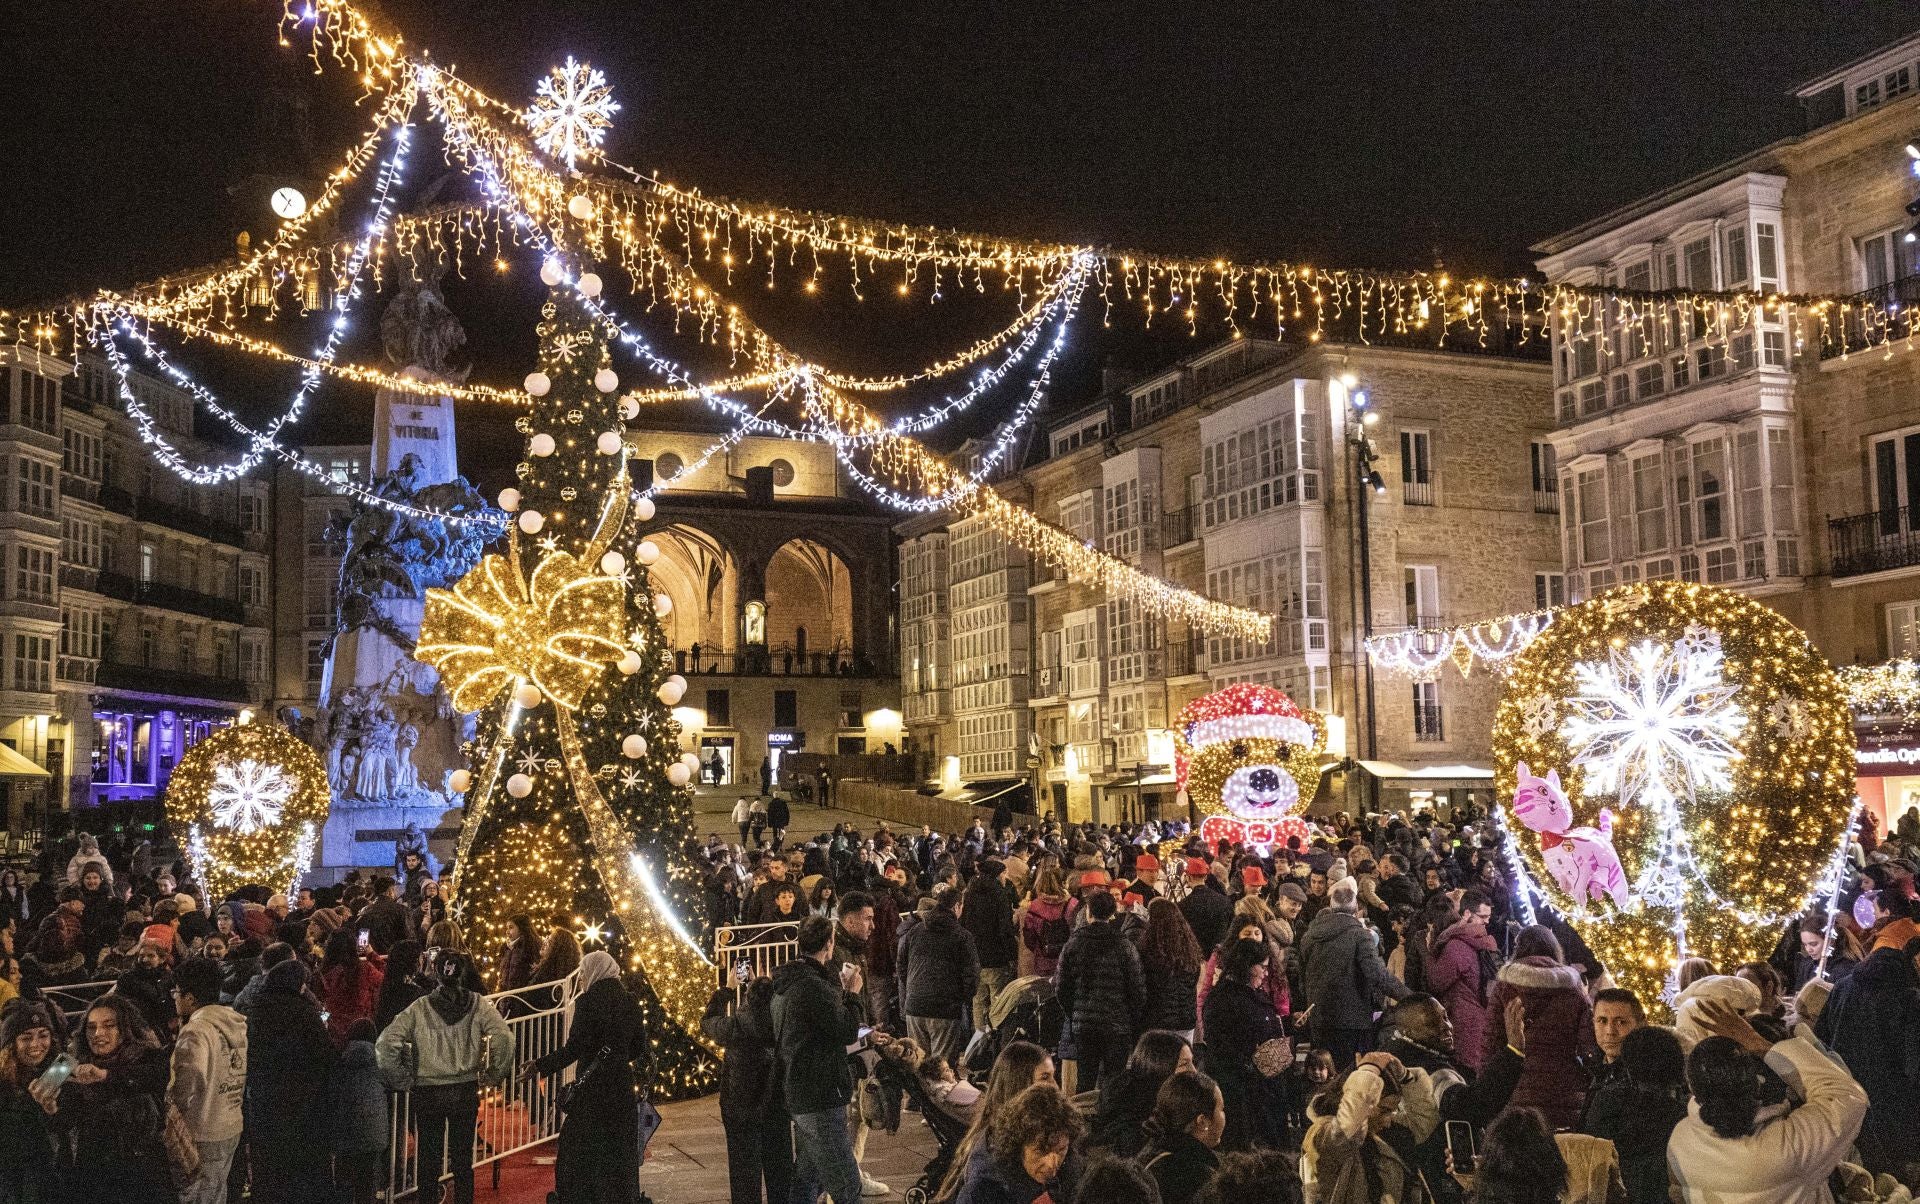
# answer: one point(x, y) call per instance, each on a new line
point(1733, 259)
point(1590, 489)
point(1649, 503)
point(1274, 463)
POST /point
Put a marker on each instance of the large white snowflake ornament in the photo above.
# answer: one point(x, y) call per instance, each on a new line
point(248, 797)
point(572, 111)
point(1653, 722)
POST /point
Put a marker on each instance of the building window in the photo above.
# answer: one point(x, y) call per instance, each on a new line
point(80, 542)
point(253, 664)
point(1420, 590)
point(1903, 630)
point(148, 563)
point(1710, 490)
point(36, 491)
point(39, 402)
point(82, 455)
point(33, 663)
point(852, 714)
point(667, 465)
point(1549, 590)
point(1416, 467)
point(1593, 397)
point(719, 708)
point(1767, 243)
point(1896, 480)
point(32, 573)
point(1427, 720)
point(1544, 462)
point(1249, 472)
point(252, 585)
point(322, 584)
point(80, 633)
point(1733, 259)
point(1595, 543)
point(253, 513)
point(1649, 504)
point(786, 708)
point(1698, 256)
point(1881, 261)
point(316, 661)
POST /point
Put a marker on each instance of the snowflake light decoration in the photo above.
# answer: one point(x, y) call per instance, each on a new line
point(1541, 715)
point(248, 796)
point(1790, 719)
point(1652, 721)
point(572, 111)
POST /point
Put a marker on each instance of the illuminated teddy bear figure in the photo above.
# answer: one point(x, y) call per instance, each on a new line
point(1249, 760)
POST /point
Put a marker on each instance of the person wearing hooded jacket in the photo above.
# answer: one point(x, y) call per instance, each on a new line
point(1559, 1026)
point(752, 1112)
point(599, 1160)
point(209, 1075)
point(289, 1065)
point(816, 1015)
point(440, 1049)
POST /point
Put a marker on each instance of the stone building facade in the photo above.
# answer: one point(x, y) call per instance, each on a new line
point(1232, 473)
point(1747, 457)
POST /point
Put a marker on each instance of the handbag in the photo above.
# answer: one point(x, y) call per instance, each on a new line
point(649, 1121)
point(183, 1156)
point(1272, 1056)
point(570, 1092)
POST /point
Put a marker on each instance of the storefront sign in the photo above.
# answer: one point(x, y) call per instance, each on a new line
point(786, 739)
point(1889, 760)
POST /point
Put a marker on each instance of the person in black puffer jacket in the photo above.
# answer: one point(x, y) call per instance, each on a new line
point(1101, 991)
point(939, 970)
point(752, 1113)
point(290, 1065)
point(986, 912)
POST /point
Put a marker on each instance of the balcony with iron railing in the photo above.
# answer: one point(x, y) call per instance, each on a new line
point(1546, 501)
point(1875, 542)
point(1178, 526)
point(170, 597)
point(1416, 493)
point(777, 662)
point(142, 679)
point(1187, 657)
point(175, 517)
point(1875, 316)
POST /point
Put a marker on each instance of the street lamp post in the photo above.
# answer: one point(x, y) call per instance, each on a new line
point(1367, 484)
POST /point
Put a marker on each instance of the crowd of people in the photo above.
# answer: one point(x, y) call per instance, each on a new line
point(1128, 1016)
point(248, 1047)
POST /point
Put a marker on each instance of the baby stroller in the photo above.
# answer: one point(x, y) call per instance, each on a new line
point(1024, 1010)
point(947, 1130)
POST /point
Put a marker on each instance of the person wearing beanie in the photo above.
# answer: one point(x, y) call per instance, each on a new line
point(1206, 906)
point(194, 923)
point(31, 1033)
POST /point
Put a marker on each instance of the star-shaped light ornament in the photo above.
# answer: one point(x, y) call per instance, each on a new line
point(528, 762)
point(1654, 722)
point(630, 779)
point(247, 796)
point(1790, 719)
point(572, 111)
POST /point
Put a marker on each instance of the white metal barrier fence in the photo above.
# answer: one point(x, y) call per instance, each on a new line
point(515, 1115)
point(73, 999)
point(756, 949)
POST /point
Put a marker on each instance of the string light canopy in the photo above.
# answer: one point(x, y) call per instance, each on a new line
point(1679, 761)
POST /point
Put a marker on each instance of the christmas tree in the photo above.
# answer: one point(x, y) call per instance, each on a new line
point(577, 796)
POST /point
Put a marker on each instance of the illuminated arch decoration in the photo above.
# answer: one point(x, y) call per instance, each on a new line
point(1678, 762)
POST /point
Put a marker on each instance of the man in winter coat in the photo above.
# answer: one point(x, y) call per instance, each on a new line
point(1102, 991)
point(939, 970)
point(385, 919)
point(779, 817)
point(1397, 887)
point(1872, 1019)
point(1207, 908)
point(289, 1062)
point(209, 1079)
point(1460, 972)
point(816, 1015)
point(1421, 1035)
point(1343, 977)
point(986, 912)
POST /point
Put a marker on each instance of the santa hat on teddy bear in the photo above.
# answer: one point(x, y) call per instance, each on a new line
point(1244, 711)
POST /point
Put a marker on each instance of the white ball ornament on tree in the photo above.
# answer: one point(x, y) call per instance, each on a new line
point(541, 444)
point(552, 272)
point(519, 785)
point(643, 509)
point(613, 564)
point(531, 521)
point(509, 500)
point(672, 690)
point(606, 380)
point(634, 746)
point(690, 759)
point(580, 207)
point(460, 781)
point(648, 551)
point(537, 383)
point(679, 774)
point(630, 663)
point(629, 408)
point(662, 605)
point(589, 285)
point(609, 443)
point(527, 695)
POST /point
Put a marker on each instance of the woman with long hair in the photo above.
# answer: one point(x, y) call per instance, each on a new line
point(1044, 927)
point(30, 1036)
point(519, 953)
point(1126, 1099)
point(402, 982)
point(13, 899)
point(113, 1109)
point(1519, 1162)
point(1028, 1142)
point(560, 954)
point(1021, 1065)
point(1741, 1133)
point(1188, 1121)
point(1244, 928)
point(349, 985)
point(1170, 964)
point(599, 1160)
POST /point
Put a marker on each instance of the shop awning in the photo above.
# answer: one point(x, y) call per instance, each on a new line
point(1143, 775)
point(1431, 777)
point(13, 765)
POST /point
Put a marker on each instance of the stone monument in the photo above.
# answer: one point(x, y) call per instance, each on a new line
point(388, 734)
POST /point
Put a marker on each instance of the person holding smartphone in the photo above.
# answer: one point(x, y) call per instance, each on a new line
point(30, 1037)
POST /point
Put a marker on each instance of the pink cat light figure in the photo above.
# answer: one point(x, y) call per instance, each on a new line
point(1581, 860)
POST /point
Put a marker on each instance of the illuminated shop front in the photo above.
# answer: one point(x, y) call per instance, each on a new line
point(137, 744)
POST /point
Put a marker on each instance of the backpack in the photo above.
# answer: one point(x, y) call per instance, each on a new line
point(1054, 932)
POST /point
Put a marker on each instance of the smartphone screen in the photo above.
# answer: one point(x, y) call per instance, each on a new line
point(366, 939)
point(1460, 1144)
point(59, 1072)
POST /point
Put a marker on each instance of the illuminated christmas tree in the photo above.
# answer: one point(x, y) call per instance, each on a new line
point(576, 772)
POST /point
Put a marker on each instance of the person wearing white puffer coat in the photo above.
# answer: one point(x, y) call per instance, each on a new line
point(1740, 1143)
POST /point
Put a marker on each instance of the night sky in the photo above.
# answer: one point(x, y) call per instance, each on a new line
point(1365, 134)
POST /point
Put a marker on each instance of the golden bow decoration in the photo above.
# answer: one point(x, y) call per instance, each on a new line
point(556, 630)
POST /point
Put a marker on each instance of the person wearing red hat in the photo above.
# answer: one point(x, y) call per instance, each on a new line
point(1207, 908)
point(1146, 878)
point(1253, 879)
